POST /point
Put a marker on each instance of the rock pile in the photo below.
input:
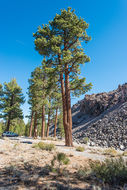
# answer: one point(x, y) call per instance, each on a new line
point(107, 123)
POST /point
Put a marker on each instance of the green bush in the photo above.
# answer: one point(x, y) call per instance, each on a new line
point(110, 151)
point(83, 173)
point(86, 140)
point(80, 149)
point(35, 146)
point(111, 171)
point(125, 153)
point(60, 159)
point(44, 146)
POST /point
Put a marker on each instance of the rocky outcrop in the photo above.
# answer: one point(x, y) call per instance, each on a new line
point(96, 104)
point(102, 118)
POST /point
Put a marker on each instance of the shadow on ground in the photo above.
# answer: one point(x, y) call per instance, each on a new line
point(29, 176)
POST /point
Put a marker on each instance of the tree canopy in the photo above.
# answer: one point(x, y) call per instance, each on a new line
point(11, 100)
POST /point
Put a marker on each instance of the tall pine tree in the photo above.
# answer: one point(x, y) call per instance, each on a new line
point(1, 95)
point(11, 102)
point(61, 42)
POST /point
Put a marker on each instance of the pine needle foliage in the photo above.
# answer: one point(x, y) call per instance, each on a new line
point(12, 98)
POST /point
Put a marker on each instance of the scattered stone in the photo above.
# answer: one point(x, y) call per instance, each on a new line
point(103, 119)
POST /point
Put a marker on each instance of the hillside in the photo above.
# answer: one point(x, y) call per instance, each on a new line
point(102, 118)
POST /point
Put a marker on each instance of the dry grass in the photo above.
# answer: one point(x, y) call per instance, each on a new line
point(23, 164)
point(111, 171)
point(49, 139)
point(80, 149)
point(44, 146)
point(111, 152)
point(125, 153)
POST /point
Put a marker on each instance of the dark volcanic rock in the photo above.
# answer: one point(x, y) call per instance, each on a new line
point(103, 118)
point(96, 104)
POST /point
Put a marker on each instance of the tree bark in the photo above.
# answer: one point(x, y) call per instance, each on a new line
point(68, 105)
point(55, 123)
point(31, 124)
point(9, 116)
point(43, 122)
point(64, 108)
point(35, 125)
point(48, 124)
point(8, 124)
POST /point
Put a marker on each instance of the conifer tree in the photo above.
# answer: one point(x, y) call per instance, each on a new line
point(38, 94)
point(11, 102)
point(31, 123)
point(32, 102)
point(1, 91)
point(1, 95)
point(56, 106)
point(60, 41)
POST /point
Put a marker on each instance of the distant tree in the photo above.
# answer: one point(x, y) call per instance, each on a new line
point(56, 106)
point(38, 96)
point(1, 91)
point(11, 102)
point(60, 42)
point(34, 102)
point(2, 127)
point(1, 95)
point(18, 126)
point(31, 123)
point(61, 131)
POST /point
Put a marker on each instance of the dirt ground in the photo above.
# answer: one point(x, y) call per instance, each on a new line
point(25, 167)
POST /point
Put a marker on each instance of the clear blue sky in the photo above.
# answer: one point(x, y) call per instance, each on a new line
point(108, 48)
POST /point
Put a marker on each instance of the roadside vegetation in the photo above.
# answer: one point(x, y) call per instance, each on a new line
point(80, 149)
point(111, 171)
point(44, 146)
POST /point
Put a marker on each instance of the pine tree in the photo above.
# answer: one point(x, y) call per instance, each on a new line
point(11, 102)
point(31, 123)
point(56, 106)
point(18, 126)
point(38, 93)
point(1, 95)
point(61, 42)
point(1, 91)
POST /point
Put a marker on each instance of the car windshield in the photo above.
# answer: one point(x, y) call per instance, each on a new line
point(8, 132)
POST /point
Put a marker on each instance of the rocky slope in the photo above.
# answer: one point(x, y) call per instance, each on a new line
point(102, 118)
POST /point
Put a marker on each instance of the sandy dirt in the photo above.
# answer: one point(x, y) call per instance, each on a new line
point(25, 167)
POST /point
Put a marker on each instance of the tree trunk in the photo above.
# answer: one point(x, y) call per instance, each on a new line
point(48, 124)
point(8, 123)
point(9, 116)
point(31, 124)
point(66, 117)
point(68, 105)
point(35, 125)
point(43, 122)
point(55, 123)
point(64, 107)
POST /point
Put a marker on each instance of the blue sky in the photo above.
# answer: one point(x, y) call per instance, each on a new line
point(108, 48)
